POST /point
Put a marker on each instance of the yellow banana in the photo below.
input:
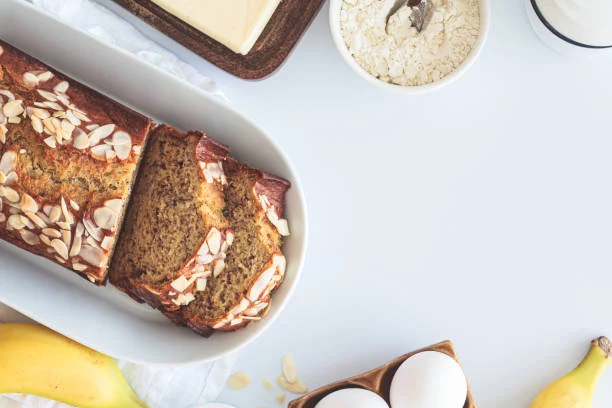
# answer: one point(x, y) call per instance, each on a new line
point(36, 360)
point(576, 389)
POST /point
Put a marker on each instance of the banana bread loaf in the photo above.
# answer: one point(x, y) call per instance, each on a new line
point(203, 234)
point(68, 157)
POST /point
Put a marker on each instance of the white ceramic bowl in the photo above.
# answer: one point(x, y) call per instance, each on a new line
point(104, 318)
point(557, 41)
point(334, 24)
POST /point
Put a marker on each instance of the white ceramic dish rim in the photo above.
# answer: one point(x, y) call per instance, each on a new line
point(299, 260)
point(334, 24)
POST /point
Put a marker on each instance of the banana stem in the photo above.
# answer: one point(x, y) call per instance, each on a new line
point(590, 370)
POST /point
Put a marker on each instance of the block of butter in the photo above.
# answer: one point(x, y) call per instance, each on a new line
point(236, 24)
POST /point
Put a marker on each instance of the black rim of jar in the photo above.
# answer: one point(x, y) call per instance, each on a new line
point(561, 36)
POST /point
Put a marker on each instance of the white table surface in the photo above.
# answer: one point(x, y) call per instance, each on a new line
point(480, 213)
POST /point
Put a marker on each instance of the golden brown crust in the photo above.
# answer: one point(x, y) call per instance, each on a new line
point(52, 171)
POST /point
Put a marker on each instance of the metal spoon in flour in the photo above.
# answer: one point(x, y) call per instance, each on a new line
point(419, 8)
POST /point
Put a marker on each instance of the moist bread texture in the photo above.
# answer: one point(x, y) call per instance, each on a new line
point(68, 158)
point(203, 234)
point(174, 213)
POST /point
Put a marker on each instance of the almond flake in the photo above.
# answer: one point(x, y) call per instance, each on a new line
point(30, 80)
point(15, 222)
point(37, 124)
point(50, 141)
point(13, 108)
point(238, 381)
point(29, 237)
point(289, 369)
point(47, 95)
point(106, 243)
point(61, 87)
point(79, 267)
point(45, 76)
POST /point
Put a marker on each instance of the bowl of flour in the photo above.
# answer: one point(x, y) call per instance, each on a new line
point(395, 56)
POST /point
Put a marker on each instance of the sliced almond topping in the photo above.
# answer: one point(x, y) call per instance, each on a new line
point(66, 237)
point(94, 231)
point(29, 237)
point(105, 218)
point(114, 204)
point(201, 284)
point(107, 243)
point(67, 215)
point(26, 221)
point(55, 213)
point(76, 245)
point(8, 162)
point(50, 141)
point(53, 233)
point(298, 387)
point(219, 267)
point(81, 141)
point(37, 124)
point(63, 225)
point(10, 194)
point(30, 80)
point(11, 179)
point(28, 204)
point(100, 133)
point(36, 220)
point(99, 151)
point(47, 95)
point(93, 256)
point(74, 205)
point(289, 369)
point(79, 267)
point(15, 222)
point(14, 119)
point(184, 299)
point(238, 381)
point(123, 151)
point(213, 239)
point(45, 76)
point(45, 239)
point(61, 87)
point(70, 116)
point(180, 283)
point(13, 108)
point(60, 248)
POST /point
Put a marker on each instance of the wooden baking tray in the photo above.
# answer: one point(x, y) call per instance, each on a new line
point(288, 23)
point(377, 380)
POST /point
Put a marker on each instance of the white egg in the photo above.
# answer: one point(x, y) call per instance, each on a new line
point(352, 398)
point(429, 380)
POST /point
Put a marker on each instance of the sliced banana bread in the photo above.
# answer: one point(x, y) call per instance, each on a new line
point(255, 265)
point(202, 235)
point(175, 235)
point(68, 157)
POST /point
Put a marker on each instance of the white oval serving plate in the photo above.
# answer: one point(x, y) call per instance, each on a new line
point(104, 318)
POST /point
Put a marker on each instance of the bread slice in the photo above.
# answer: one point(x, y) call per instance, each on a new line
point(68, 159)
point(203, 234)
point(255, 265)
point(175, 235)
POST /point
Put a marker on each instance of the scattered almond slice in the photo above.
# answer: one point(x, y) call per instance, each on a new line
point(268, 385)
point(281, 398)
point(289, 369)
point(238, 381)
point(297, 387)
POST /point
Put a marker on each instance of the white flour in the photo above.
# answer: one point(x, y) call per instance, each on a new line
point(403, 56)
